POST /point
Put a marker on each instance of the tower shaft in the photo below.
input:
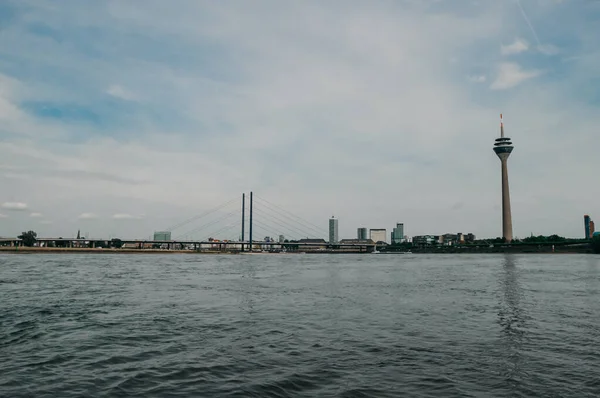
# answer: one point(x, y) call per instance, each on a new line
point(506, 213)
point(503, 148)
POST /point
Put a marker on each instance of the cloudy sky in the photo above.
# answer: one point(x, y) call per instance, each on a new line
point(124, 117)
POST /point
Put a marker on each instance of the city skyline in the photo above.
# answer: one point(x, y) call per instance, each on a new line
point(348, 117)
point(276, 233)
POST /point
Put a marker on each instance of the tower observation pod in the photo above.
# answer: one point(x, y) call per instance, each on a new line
point(503, 148)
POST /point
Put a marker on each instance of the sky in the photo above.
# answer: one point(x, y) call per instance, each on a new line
point(119, 118)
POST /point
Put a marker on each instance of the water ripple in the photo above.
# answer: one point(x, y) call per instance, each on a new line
point(299, 326)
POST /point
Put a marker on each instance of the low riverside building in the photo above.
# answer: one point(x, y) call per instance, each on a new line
point(312, 243)
point(456, 239)
point(140, 245)
point(357, 242)
point(11, 242)
point(444, 240)
point(448, 239)
point(422, 240)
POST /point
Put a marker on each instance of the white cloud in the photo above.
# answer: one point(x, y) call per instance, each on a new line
point(477, 78)
point(3, 216)
point(9, 112)
point(87, 216)
point(119, 92)
point(46, 222)
point(16, 206)
point(126, 216)
point(510, 75)
point(36, 215)
point(548, 49)
point(518, 46)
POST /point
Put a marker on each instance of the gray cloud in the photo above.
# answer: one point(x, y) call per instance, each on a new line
point(126, 216)
point(15, 206)
point(71, 175)
point(87, 216)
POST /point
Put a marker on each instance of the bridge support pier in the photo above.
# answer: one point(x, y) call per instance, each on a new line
point(251, 246)
point(243, 217)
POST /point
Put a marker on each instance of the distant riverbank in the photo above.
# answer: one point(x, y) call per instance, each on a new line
point(98, 250)
point(518, 248)
point(61, 250)
point(574, 249)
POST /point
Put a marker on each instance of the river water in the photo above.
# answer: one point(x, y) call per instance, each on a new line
point(378, 325)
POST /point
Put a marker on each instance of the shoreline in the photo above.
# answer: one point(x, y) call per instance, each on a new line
point(28, 250)
point(87, 250)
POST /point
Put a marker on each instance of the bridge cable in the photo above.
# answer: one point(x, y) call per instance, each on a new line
point(269, 229)
point(288, 227)
point(213, 222)
point(210, 211)
point(294, 218)
point(224, 229)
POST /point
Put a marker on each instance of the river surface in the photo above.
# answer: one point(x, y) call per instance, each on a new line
point(378, 325)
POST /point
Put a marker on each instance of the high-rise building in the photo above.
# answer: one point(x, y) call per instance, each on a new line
point(586, 225)
point(398, 233)
point(162, 235)
point(361, 233)
point(503, 148)
point(281, 238)
point(592, 228)
point(333, 230)
point(378, 235)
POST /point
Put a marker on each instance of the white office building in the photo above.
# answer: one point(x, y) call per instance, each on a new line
point(378, 235)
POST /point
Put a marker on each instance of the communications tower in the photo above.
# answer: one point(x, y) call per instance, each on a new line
point(503, 147)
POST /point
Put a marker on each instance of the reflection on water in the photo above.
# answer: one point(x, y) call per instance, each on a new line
point(247, 285)
point(511, 318)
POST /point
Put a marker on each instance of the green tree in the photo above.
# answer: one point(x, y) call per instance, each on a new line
point(99, 244)
point(116, 243)
point(596, 244)
point(28, 238)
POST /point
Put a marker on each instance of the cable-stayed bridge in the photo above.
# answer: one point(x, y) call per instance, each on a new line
point(242, 224)
point(236, 219)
